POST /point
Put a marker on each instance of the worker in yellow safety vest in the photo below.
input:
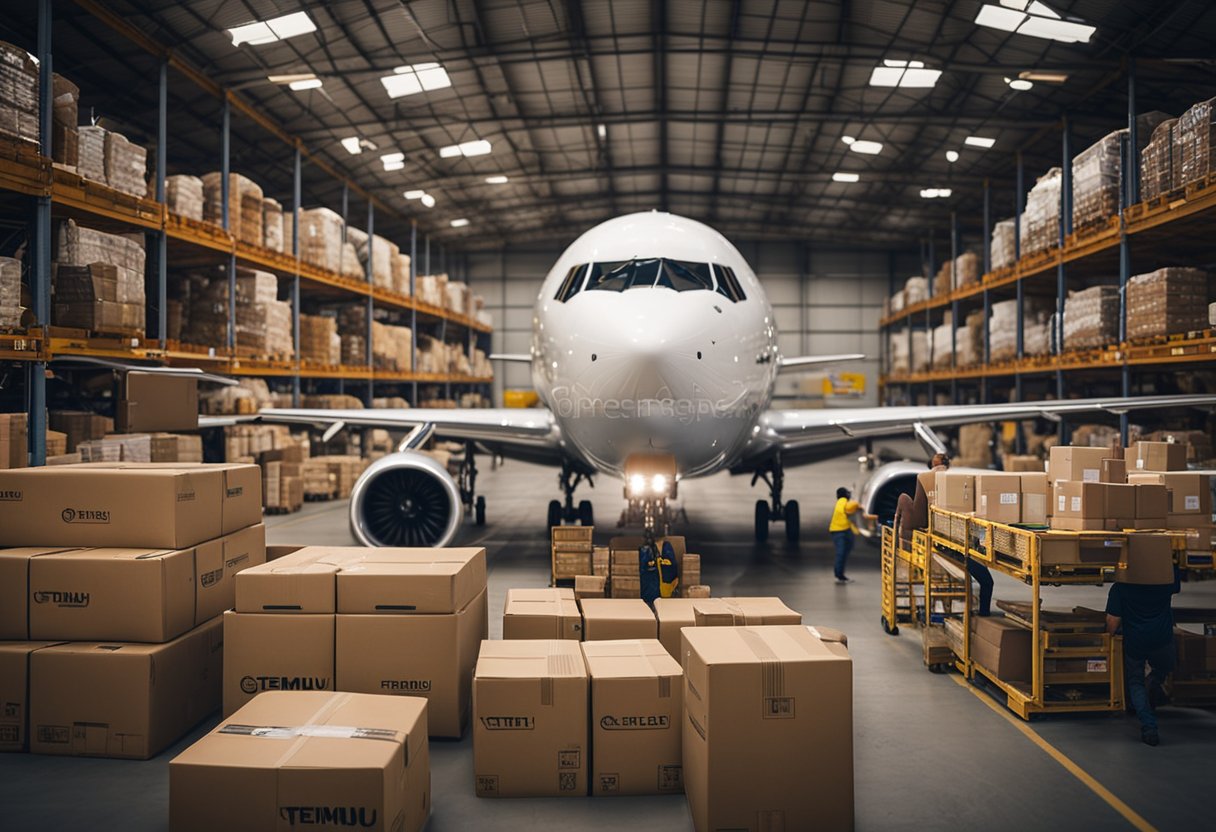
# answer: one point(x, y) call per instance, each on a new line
point(842, 531)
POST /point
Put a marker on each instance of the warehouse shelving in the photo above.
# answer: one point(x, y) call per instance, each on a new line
point(58, 192)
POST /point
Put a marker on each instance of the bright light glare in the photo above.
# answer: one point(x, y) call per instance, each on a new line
point(847, 139)
point(393, 161)
point(658, 484)
point(979, 141)
point(411, 80)
point(276, 28)
point(602, 131)
point(428, 200)
point(866, 147)
point(497, 180)
point(479, 147)
point(637, 484)
point(952, 156)
point(1034, 19)
point(391, 166)
point(1019, 84)
point(907, 74)
point(459, 222)
point(353, 146)
point(414, 194)
point(841, 176)
point(935, 193)
point(307, 84)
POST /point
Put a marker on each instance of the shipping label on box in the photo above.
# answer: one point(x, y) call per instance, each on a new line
point(998, 497)
point(1155, 456)
point(1075, 463)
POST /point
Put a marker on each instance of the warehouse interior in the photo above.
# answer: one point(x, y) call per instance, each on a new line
point(301, 332)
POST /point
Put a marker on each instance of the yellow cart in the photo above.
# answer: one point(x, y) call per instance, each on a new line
point(902, 574)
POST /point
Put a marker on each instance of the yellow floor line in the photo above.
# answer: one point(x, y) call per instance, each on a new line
point(1129, 814)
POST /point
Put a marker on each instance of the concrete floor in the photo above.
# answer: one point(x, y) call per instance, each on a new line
point(929, 753)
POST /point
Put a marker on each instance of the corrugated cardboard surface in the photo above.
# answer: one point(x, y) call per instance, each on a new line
point(1155, 456)
point(431, 656)
point(1076, 463)
point(14, 692)
point(154, 401)
point(541, 614)
point(673, 615)
point(998, 497)
point(636, 714)
point(268, 652)
point(1002, 647)
point(102, 699)
point(530, 732)
point(954, 491)
point(1149, 560)
point(617, 618)
point(738, 612)
point(15, 589)
point(328, 760)
point(768, 729)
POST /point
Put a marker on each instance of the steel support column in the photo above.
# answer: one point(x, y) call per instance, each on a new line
point(986, 259)
point(162, 242)
point(40, 254)
point(295, 278)
point(954, 307)
point(225, 196)
point(1065, 226)
point(371, 229)
point(414, 311)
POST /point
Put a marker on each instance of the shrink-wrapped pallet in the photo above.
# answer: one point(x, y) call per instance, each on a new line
point(920, 351)
point(1096, 180)
point(184, 196)
point(1040, 226)
point(126, 165)
point(351, 267)
point(321, 238)
point(1193, 134)
point(943, 347)
point(897, 302)
point(1167, 301)
point(65, 113)
point(81, 246)
point(401, 273)
point(899, 353)
point(319, 340)
point(970, 340)
point(244, 205)
point(382, 254)
point(1003, 331)
point(1002, 250)
point(430, 288)
point(272, 224)
point(1160, 167)
point(18, 93)
point(354, 349)
point(1091, 318)
point(10, 293)
point(457, 297)
point(91, 162)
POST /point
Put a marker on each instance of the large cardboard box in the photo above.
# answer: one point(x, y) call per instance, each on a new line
point(1080, 505)
point(1034, 498)
point(1120, 506)
point(744, 611)
point(541, 614)
point(998, 497)
point(241, 487)
point(636, 713)
point(87, 505)
point(99, 699)
point(267, 652)
point(216, 565)
point(954, 491)
point(1149, 559)
point(15, 589)
point(14, 692)
point(1002, 647)
point(768, 729)
point(1105, 550)
point(530, 736)
point(673, 615)
point(606, 619)
point(1190, 497)
point(307, 760)
point(294, 582)
point(1023, 463)
point(1076, 463)
point(1155, 456)
point(414, 581)
point(1057, 547)
point(14, 440)
point(155, 401)
point(1196, 654)
point(1152, 505)
point(431, 656)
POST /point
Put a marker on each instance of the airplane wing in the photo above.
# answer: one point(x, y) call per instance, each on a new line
point(797, 362)
point(797, 434)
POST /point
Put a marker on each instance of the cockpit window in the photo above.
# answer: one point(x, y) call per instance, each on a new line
point(649, 272)
point(685, 277)
point(728, 284)
point(570, 285)
point(622, 275)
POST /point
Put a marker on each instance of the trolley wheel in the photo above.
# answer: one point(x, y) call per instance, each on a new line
point(479, 511)
point(555, 513)
point(887, 628)
point(792, 525)
point(762, 519)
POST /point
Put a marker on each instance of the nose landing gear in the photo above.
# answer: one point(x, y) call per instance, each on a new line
point(774, 510)
point(559, 512)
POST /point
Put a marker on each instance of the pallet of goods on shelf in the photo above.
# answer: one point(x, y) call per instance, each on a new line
point(272, 224)
point(389, 403)
point(943, 346)
point(91, 298)
point(390, 268)
point(1193, 135)
point(391, 344)
point(457, 297)
point(1002, 251)
point(1040, 226)
point(916, 290)
point(248, 395)
point(970, 340)
point(430, 289)
point(1091, 318)
point(321, 238)
point(349, 262)
point(331, 401)
point(65, 113)
point(1096, 172)
point(111, 159)
point(263, 322)
point(11, 309)
point(319, 340)
point(244, 205)
point(1160, 162)
point(18, 93)
point(91, 161)
point(1167, 301)
point(184, 196)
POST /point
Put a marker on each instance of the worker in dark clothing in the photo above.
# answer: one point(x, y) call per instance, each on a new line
point(1142, 612)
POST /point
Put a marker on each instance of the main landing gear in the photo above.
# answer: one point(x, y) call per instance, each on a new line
point(466, 481)
point(773, 510)
point(583, 514)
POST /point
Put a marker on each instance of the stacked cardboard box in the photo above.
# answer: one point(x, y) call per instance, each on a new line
point(1188, 501)
point(428, 288)
point(391, 345)
point(1196, 655)
point(19, 96)
point(1001, 251)
point(184, 196)
point(609, 619)
point(571, 548)
point(1091, 318)
point(87, 247)
point(306, 620)
point(542, 614)
point(127, 642)
point(1160, 162)
point(14, 440)
point(156, 402)
point(1193, 135)
point(1002, 647)
point(91, 160)
point(80, 426)
point(319, 339)
point(352, 761)
point(1167, 301)
point(10, 293)
point(263, 323)
point(590, 586)
point(176, 447)
point(384, 255)
point(675, 614)
point(65, 113)
point(753, 687)
point(273, 219)
point(970, 340)
point(1040, 226)
point(1095, 181)
point(87, 297)
point(321, 238)
point(943, 346)
point(126, 165)
point(245, 205)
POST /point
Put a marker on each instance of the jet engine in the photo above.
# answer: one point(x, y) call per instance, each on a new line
point(405, 499)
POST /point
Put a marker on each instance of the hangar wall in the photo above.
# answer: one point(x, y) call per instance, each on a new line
point(826, 300)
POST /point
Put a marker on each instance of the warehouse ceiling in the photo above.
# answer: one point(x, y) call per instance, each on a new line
point(730, 112)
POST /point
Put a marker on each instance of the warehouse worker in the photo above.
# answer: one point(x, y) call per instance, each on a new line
point(1142, 612)
point(842, 530)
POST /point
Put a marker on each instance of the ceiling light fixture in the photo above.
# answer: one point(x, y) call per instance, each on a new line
point(1046, 76)
point(1030, 17)
point(842, 176)
point(951, 156)
point(353, 145)
point(497, 180)
point(979, 141)
point(411, 80)
point(306, 84)
point(428, 200)
point(1019, 84)
point(866, 147)
point(906, 74)
point(393, 161)
point(276, 28)
point(847, 139)
point(460, 222)
point(414, 194)
point(290, 79)
point(602, 130)
point(479, 147)
point(935, 193)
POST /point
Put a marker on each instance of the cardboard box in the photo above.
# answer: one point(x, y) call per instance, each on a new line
point(673, 615)
point(1002, 647)
point(415, 581)
point(14, 692)
point(636, 713)
point(155, 401)
point(530, 732)
point(607, 619)
point(828, 634)
point(1190, 497)
point(998, 497)
point(1114, 471)
point(267, 652)
point(15, 589)
point(1057, 547)
point(755, 699)
point(1079, 505)
point(431, 656)
point(1155, 456)
point(1024, 463)
point(1196, 654)
point(98, 699)
point(1152, 505)
point(216, 565)
point(98, 505)
point(541, 614)
point(1149, 559)
point(295, 582)
point(1104, 550)
point(14, 440)
point(739, 612)
point(590, 586)
point(954, 491)
point(1120, 506)
point(1076, 464)
point(304, 760)
point(1034, 498)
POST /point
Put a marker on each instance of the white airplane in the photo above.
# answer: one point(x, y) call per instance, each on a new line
point(654, 351)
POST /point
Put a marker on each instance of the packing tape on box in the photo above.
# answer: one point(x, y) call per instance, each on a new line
point(341, 732)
